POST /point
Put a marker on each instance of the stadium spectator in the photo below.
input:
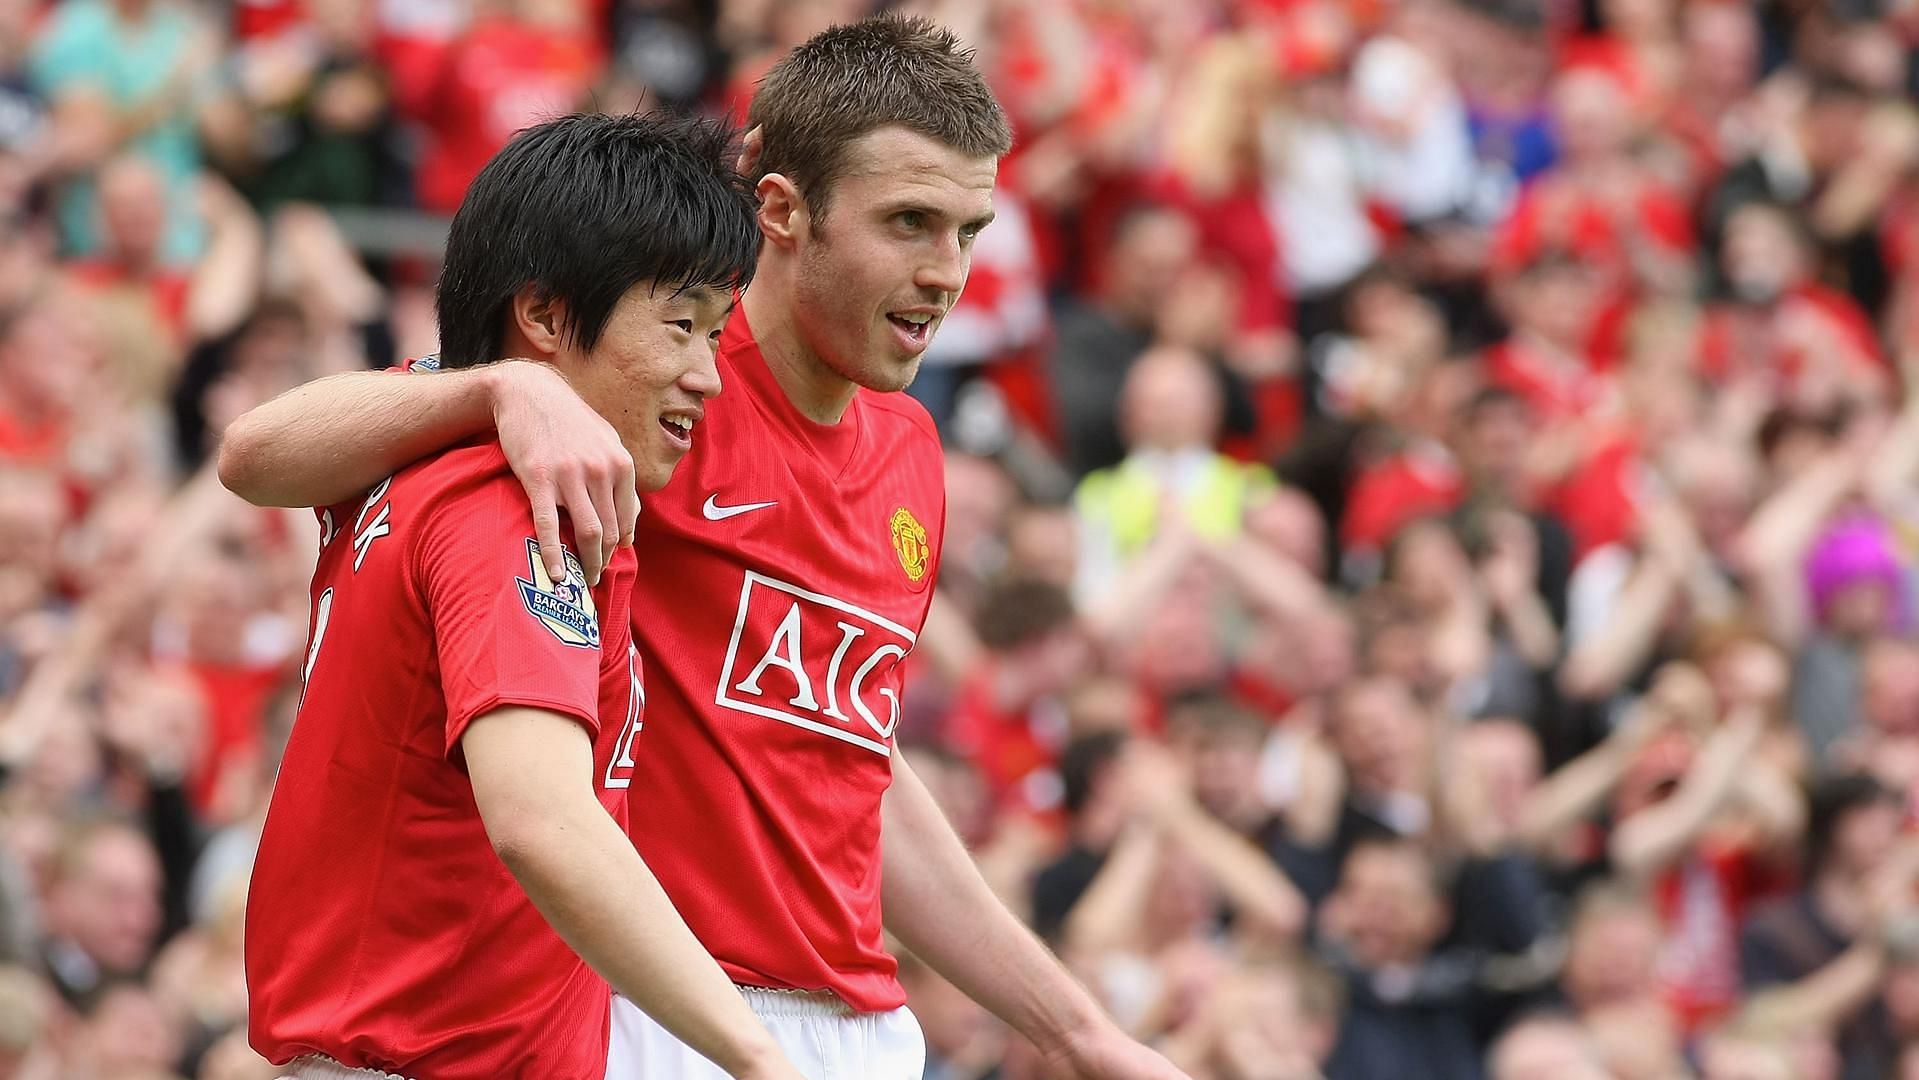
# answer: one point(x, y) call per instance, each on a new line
point(103, 910)
point(1410, 1006)
point(125, 76)
point(1098, 339)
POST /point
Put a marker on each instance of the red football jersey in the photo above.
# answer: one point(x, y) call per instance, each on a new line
point(382, 931)
point(792, 566)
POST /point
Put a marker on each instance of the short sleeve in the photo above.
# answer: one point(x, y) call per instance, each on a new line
point(504, 631)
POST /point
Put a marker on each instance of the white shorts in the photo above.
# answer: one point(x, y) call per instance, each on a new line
point(320, 1067)
point(820, 1035)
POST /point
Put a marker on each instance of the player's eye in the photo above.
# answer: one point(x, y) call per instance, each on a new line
point(715, 335)
point(685, 325)
point(911, 219)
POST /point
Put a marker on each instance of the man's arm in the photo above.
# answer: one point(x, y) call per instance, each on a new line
point(1654, 838)
point(532, 774)
point(1771, 550)
point(322, 443)
point(1827, 997)
point(1248, 880)
point(1595, 668)
point(937, 904)
point(227, 279)
point(1573, 791)
point(325, 442)
point(193, 513)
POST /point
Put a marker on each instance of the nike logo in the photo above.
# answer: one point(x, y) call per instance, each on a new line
point(713, 511)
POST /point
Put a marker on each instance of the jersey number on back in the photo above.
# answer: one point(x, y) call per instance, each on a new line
point(322, 611)
point(364, 534)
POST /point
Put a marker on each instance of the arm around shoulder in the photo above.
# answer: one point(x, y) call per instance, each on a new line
point(318, 444)
point(326, 441)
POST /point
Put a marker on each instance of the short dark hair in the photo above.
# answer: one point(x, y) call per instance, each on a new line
point(1017, 612)
point(1083, 762)
point(1832, 800)
point(849, 80)
point(1828, 87)
point(1435, 875)
point(1120, 227)
point(584, 208)
point(1491, 397)
point(1797, 225)
point(1212, 714)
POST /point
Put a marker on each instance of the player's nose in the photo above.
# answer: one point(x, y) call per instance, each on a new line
point(944, 270)
point(702, 378)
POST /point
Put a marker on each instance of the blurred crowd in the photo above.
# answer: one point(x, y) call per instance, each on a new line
point(1433, 505)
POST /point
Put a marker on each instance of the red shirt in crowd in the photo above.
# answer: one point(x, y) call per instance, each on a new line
point(1016, 749)
point(166, 291)
point(31, 443)
point(236, 699)
point(1597, 229)
point(255, 19)
point(382, 930)
point(1773, 340)
point(502, 76)
point(1418, 482)
point(1234, 227)
point(1702, 901)
point(1598, 501)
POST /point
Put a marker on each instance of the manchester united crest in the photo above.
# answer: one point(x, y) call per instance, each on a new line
point(909, 543)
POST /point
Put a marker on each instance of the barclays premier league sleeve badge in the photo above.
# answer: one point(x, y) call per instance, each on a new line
point(565, 607)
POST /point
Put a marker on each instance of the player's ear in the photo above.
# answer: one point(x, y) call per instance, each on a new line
point(541, 319)
point(783, 214)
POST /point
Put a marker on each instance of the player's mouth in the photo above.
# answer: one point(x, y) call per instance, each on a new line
point(679, 428)
point(914, 327)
